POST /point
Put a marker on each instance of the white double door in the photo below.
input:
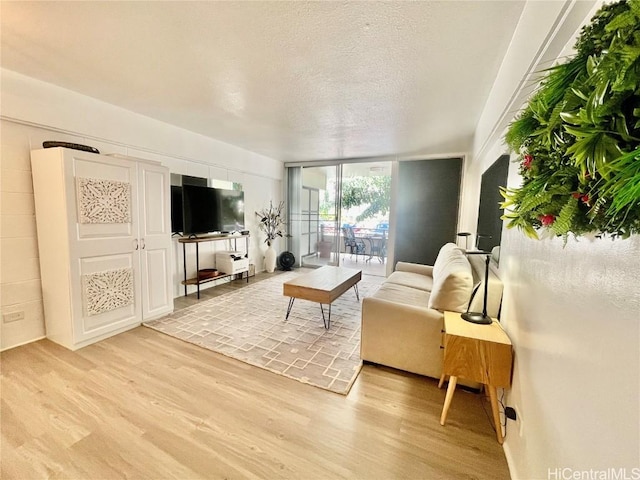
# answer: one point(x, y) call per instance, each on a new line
point(120, 267)
point(104, 243)
point(155, 237)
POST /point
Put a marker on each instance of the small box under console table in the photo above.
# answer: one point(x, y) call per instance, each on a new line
point(232, 262)
point(228, 263)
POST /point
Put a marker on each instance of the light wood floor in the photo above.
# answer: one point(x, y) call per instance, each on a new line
point(146, 405)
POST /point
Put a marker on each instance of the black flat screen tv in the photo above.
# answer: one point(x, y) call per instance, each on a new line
point(199, 210)
point(230, 209)
point(489, 212)
point(177, 180)
point(177, 223)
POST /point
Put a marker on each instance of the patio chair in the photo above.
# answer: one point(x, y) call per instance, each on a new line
point(378, 247)
point(354, 245)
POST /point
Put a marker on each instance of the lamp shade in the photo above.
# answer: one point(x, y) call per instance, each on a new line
point(466, 236)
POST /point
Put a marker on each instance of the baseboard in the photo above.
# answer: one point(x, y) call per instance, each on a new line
point(509, 457)
point(23, 343)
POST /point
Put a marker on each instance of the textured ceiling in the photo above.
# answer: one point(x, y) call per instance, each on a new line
point(291, 80)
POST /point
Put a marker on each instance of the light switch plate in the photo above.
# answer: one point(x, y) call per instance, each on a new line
point(12, 317)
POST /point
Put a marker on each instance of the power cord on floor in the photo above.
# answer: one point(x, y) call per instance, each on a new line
point(486, 399)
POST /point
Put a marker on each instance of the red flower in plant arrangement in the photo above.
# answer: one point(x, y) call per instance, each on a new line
point(547, 219)
point(528, 160)
point(584, 197)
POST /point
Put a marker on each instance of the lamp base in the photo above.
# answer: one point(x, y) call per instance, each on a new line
point(475, 317)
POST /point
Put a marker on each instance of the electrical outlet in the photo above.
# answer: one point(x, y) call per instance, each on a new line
point(519, 421)
point(12, 317)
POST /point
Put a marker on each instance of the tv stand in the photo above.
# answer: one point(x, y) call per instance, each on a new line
point(197, 280)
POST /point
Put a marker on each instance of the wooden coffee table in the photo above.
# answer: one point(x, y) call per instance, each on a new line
point(323, 285)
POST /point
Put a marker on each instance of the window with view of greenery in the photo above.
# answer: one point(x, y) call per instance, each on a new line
point(375, 192)
point(372, 192)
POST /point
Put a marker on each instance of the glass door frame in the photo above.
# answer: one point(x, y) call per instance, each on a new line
point(337, 218)
point(306, 223)
point(293, 187)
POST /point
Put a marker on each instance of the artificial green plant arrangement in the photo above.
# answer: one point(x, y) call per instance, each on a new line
point(578, 138)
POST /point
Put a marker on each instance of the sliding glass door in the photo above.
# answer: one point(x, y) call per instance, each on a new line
point(339, 215)
point(317, 215)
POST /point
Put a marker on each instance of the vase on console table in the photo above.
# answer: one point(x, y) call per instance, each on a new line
point(270, 258)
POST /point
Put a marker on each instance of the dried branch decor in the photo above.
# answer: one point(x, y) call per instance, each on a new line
point(272, 221)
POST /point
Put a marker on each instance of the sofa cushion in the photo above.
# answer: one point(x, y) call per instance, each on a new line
point(410, 279)
point(446, 253)
point(403, 295)
point(453, 286)
point(426, 270)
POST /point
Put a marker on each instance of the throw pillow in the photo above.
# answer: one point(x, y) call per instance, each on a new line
point(452, 288)
point(447, 251)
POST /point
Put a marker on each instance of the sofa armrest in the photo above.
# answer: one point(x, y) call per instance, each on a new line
point(402, 336)
point(399, 312)
point(415, 268)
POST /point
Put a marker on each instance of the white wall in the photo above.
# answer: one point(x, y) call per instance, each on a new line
point(34, 111)
point(573, 312)
point(314, 178)
point(573, 315)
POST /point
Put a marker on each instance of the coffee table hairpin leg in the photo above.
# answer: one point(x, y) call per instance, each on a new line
point(326, 320)
point(289, 308)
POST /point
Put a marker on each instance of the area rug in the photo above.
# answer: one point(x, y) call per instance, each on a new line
point(249, 325)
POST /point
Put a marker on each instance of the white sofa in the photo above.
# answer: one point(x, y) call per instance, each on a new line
point(402, 322)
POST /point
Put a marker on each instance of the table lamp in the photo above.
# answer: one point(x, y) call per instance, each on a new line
point(479, 238)
point(477, 317)
point(466, 236)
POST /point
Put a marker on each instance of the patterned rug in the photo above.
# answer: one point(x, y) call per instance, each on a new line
point(248, 325)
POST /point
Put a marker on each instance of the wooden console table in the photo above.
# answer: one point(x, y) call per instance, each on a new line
point(197, 241)
point(480, 353)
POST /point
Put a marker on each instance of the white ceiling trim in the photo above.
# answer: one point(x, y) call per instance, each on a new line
point(291, 80)
point(570, 18)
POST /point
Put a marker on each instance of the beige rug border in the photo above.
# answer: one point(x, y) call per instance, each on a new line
point(270, 370)
point(346, 391)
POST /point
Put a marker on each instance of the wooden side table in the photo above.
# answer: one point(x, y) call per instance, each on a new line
point(481, 353)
